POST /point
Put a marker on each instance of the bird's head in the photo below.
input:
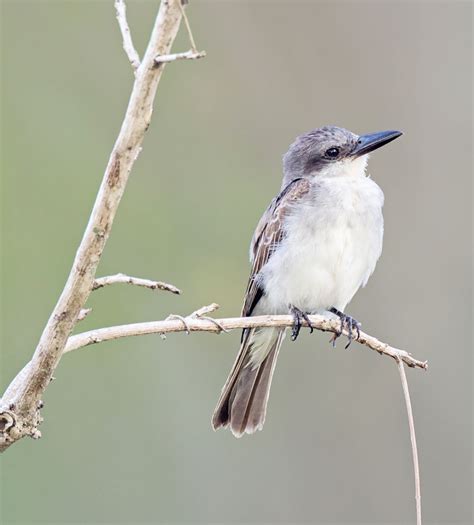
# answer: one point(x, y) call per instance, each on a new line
point(332, 151)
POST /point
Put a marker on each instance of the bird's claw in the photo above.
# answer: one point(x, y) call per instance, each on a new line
point(298, 315)
point(349, 323)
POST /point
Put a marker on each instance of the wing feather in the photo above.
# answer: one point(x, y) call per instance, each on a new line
point(268, 236)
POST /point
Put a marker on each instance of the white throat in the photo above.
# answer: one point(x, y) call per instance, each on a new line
point(346, 168)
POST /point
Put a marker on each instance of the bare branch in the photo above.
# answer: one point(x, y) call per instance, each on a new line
point(121, 10)
point(196, 323)
point(83, 314)
point(188, 55)
point(25, 391)
point(414, 449)
point(121, 278)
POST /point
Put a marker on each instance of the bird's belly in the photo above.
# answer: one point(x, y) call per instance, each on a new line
point(323, 261)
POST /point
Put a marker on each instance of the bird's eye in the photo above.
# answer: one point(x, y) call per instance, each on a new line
point(332, 153)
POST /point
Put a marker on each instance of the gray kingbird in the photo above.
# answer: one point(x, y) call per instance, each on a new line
point(316, 244)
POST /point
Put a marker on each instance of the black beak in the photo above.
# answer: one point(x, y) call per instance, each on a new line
point(371, 141)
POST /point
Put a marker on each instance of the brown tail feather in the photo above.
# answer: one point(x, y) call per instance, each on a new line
point(244, 398)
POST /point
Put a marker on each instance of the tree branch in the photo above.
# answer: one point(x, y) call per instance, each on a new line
point(19, 412)
point(121, 278)
point(187, 55)
point(197, 323)
point(129, 48)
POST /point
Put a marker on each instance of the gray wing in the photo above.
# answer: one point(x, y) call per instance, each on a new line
point(268, 235)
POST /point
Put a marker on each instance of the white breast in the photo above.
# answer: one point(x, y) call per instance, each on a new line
point(333, 241)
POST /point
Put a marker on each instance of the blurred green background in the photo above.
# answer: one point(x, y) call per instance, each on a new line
point(127, 436)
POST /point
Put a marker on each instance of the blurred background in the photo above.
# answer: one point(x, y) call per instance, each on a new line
point(127, 436)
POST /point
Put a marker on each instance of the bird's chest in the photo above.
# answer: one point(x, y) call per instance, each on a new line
point(340, 223)
point(332, 243)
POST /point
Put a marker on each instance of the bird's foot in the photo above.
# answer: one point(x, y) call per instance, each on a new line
point(299, 315)
point(347, 322)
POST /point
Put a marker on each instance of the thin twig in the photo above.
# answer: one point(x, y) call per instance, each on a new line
point(204, 310)
point(414, 449)
point(194, 323)
point(121, 278)
point(129, 48)
point(187, 55)
point(188, 26)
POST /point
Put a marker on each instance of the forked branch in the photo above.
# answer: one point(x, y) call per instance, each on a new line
point(19, 406)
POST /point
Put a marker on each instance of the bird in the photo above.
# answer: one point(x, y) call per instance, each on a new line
point(316, 244)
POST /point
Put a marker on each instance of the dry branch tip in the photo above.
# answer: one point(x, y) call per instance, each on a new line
point(187, 55)
point(121, 278)
point(129, 48)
